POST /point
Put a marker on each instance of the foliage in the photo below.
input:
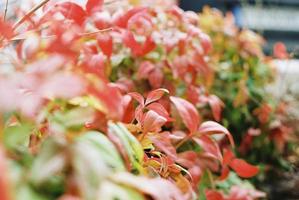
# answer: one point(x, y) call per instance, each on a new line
point(242, 74)
point(112, 103)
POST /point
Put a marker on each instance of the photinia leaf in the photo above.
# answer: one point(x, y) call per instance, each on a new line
point(6, 30)
point(156, 78)
point(157, 188)
point(130, 144)
point(211, 128)
point(213, 195)
point(187, 112)
point(152, 122)
point(209, 146)
point(51, 158)
point(216, 104)
point(112, 191)
point(138, 49)
point(138, 97)
point(122, 21)
point(155, 95)
point(106, 44)
point(162, 141)
point(158, 108)
point(144, 69)
point(93, 6)
point(71, 11)
point(243, 169)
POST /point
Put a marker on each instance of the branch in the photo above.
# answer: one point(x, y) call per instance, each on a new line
point(5, 11)
point(29, 14)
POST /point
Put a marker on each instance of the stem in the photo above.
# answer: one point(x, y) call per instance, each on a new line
point(30, 13)
point(5, 11)
point(185, 139)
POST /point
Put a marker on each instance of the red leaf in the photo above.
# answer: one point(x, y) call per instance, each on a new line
point(206, 42)
point(153, 122)
point(6, 30)
point(94, 6)
point(138, 49)
point(4, 185)
point(158, 108)
point(187, 159)
point(156, 78)
point(228, 156)
point(113, 105)
point(94, 64)
point(106, 44)
point(71, 11)
point(212, 128)
point(224, 173)
point(138, 97)
point(128, 116)
point(155, 95)
point(187, 112)
point(122, 21)
point(243, 169)
point(213, 195)
point(162, 141)
point(144, 70)
point(280, 50)
point(209, 146)
point(148, 46)
point(216, 104)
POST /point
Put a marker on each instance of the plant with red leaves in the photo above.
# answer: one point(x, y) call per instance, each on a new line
point(74, 116)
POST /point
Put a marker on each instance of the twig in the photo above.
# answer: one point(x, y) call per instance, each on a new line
point(29, 14)
point(53, 36)
point(5, 11)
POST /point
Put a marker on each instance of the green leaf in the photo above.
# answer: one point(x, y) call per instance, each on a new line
point(50, 160)
point(17, 137)
point(112, 191)
point(130, 143)
point(94, 159)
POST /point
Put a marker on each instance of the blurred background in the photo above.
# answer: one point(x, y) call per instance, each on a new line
point(276, 20)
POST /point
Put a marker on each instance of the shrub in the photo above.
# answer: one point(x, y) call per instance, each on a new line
point(94, 107)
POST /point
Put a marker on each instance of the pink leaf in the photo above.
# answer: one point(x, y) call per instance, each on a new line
point(155, 95)
point(212, 128)
point(158, 108)
point(138, 97)
point(157, 188)
point(187, 112)
point(153, 122)
point(62, 86)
